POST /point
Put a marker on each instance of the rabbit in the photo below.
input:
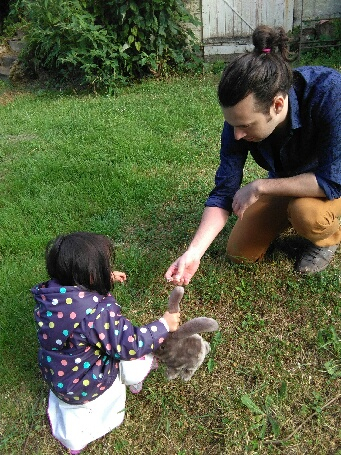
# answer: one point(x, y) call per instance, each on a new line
point(184, 350)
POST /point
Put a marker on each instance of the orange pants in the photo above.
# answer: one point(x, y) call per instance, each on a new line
point(315, 219)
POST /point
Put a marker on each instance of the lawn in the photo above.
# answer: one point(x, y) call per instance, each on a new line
point(138, 166)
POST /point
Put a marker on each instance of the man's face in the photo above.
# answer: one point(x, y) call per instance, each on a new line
point(249, 124)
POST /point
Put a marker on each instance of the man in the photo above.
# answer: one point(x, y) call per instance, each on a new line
point(290, 122)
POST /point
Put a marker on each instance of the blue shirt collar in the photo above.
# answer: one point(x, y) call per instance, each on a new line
point(294, 110)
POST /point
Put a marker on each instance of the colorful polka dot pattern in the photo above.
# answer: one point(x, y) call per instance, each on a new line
point(82, 337)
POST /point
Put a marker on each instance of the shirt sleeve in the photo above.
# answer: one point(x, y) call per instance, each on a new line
point(229, 174)
point(119, 338)
point(326, 115)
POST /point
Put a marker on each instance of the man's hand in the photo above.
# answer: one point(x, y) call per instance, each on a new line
point(212, 222)
point(183, 269)
point(245, 197)
point(303, 185)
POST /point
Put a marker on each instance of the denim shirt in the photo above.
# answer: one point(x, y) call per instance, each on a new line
point(312, 143)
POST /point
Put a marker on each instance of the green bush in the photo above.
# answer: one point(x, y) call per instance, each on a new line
point(106, 42)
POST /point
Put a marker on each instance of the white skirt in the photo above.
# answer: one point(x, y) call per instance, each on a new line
point(75, 426)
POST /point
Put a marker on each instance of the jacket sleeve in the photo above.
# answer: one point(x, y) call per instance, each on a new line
point(119, 338)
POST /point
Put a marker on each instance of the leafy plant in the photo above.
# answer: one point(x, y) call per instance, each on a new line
point(329, 341)
point(110, 42)
point(329, 56)
point(262, 417)
point(333, 369)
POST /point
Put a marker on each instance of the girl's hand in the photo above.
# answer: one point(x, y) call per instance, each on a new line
point(173, 320)
point(118, 276)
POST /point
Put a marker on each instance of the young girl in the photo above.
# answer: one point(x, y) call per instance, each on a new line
point(88, 351)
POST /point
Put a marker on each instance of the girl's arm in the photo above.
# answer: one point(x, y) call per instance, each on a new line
point(115, 335)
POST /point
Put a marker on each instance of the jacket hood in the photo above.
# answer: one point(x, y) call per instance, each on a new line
point(59, 310)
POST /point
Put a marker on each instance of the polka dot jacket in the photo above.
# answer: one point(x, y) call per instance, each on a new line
point(82, 337)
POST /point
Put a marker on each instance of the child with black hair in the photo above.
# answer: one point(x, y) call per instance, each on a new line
point(88, 351)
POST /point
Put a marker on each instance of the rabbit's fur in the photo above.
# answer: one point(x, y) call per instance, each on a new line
point(184, 351)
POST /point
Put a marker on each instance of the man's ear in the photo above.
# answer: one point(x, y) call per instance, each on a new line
point(278, 103)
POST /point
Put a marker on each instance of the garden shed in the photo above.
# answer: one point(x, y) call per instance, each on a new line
point(226, 26)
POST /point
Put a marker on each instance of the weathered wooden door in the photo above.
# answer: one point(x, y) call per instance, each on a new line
point(228, 24)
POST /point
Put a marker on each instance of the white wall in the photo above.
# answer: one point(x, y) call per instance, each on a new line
point(315, 10)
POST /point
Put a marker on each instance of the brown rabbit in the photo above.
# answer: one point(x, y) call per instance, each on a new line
point(184, 351)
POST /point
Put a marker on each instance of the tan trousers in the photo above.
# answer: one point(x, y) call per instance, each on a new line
point(315, 219)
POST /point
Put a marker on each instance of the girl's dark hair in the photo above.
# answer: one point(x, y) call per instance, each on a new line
point(265, 71)
point(82, 259)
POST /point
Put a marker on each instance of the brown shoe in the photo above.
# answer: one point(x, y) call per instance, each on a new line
point(316, 258)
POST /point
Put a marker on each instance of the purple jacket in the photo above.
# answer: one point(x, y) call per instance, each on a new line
point(82, 336)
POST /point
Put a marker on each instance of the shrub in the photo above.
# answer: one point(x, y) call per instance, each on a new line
point(106, 42)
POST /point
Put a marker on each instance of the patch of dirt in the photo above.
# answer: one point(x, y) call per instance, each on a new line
point(7, 97)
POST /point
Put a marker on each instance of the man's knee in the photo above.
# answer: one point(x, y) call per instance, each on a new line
point(311, 218)
point(242, 257)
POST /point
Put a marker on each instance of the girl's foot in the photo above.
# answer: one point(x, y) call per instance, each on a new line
point(136, 388)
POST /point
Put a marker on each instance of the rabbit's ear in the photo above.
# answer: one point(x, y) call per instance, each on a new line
point(195, 325)
point(175, 298)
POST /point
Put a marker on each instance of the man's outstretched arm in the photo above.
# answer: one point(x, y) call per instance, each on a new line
point(212, 222)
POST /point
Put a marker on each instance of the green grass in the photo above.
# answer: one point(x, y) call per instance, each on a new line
point(138, 167)
point(329, 56)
